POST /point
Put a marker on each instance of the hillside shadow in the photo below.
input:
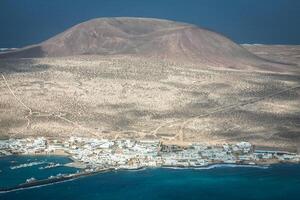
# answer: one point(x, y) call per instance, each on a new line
point(28, 65)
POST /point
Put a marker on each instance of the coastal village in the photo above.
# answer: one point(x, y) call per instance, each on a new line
point(93, 154)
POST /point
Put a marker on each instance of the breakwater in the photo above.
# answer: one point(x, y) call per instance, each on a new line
point(51, 180)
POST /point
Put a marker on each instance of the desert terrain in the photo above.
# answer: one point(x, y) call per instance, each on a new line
point(254, 97)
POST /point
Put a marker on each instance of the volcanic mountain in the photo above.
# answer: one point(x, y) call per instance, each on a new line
point(146, 37)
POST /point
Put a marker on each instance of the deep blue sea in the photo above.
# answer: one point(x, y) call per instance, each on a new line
point(243, 183)
point(245, 21)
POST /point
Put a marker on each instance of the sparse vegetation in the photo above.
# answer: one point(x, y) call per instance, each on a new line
point(123, 96)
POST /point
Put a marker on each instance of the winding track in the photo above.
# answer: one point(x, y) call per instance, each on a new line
point(180, 135)
point(19, 100)
point(27, 117)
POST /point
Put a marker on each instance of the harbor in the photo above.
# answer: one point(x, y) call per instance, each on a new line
point(92, 156)
point(92, 153)
point(150, 183)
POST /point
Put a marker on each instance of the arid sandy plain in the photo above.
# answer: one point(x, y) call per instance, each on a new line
point(131, 97)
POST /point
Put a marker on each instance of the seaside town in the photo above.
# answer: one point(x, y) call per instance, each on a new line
point(100, 154)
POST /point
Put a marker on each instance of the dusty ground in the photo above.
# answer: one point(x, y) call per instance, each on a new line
point(133, 97)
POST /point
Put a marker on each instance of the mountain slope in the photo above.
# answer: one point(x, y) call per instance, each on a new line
point(146, 37)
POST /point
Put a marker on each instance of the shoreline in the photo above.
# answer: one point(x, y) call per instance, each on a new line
point(72, 177)
point(91, 156)
point(91, 172)
point(79, 165)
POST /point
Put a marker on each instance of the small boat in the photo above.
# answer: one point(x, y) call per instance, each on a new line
point(51, 165)
point(26, 165)
point(30, 180)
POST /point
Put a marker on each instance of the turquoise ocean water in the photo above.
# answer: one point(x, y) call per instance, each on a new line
point(276, 182)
